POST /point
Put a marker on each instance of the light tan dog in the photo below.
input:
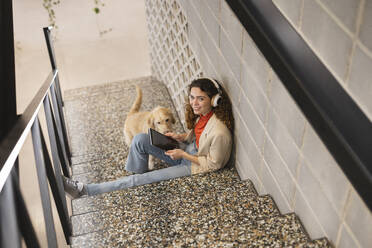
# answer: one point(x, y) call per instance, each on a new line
point(161, 119)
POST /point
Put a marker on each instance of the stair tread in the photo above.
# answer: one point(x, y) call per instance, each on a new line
point(249, 210)
point(277, 231)
point(214, 188)
point(211, 193)
point(107, 88)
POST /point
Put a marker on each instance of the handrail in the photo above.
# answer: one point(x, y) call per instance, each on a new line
point(16, 223)
point(340, 123)
point(13, 142)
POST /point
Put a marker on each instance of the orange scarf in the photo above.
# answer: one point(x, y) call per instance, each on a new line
point(200, 125)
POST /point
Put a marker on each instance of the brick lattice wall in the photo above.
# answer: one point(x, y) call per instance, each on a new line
point(172, 59)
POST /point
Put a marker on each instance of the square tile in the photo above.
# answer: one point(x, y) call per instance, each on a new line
point(328, 40)
point(359, 218)
point(232, 26)
point(207, 67)
point(232, 87)
point(325, 169)
point(194, 41)
point(230, 54)
point(209, 20)
point(283, 141)
point(279, 170)
point(253, 92)
point(308, 218)
point(360, 80)
point(255, 63)
point(214, 5)
point(249, 145)
point(243, 161)
point(288, 111)
point(273, 189)
point(193, 17)
point(365, 34)
point(346, 239)
point(319, 202)
point(251, 120)
point(210, 48)
point(345, 10)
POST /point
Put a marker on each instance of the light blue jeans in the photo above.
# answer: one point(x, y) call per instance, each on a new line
point(137, 162)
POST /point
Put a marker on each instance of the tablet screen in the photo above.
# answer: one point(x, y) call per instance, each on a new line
point(162, 141)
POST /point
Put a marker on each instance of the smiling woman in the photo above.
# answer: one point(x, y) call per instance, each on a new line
point(219, 101)
point(200, 101)
point(209, 142)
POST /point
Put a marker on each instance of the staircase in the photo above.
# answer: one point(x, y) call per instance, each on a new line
point(211, 210)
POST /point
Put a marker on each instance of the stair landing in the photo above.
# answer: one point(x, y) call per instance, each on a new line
point(210, 210)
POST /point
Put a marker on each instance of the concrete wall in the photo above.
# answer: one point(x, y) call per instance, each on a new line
point(340, 33)
point(276, 147)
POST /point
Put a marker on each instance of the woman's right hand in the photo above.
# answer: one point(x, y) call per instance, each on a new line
point(177, 136)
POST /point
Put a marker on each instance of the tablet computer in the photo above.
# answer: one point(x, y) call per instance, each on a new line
point(164, 142)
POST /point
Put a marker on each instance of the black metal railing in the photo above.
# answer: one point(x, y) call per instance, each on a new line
point(15, 222)
point(340, 123)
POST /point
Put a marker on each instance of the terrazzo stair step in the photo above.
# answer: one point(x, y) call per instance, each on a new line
point(82, 168)
point(137, 210)
point(219, 188)
point(87, 158)
point(279, 231)
point(100, 175)
point(317, 243)
point(107, 166)
point(207, 197)
point(107, 88)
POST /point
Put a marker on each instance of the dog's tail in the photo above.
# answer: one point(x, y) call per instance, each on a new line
point(137, 103)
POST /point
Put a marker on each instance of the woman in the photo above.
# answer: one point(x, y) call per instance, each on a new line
point(208, 116)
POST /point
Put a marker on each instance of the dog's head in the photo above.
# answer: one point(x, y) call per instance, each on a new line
point(161, 120)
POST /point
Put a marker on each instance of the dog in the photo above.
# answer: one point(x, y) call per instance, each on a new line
point(161, 119)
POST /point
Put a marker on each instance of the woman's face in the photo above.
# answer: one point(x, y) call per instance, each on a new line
point(199, 101)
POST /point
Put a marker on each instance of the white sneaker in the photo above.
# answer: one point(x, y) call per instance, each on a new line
point(74, 189)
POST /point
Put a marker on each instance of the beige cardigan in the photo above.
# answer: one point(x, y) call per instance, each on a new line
point(214, 146)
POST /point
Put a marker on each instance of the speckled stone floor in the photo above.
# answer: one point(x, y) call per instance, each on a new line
point(211, 210)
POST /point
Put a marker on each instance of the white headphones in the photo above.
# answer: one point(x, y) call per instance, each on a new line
point(216, 98)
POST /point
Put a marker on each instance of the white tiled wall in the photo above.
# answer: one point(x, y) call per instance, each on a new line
point(340, 33)
point(276, 147)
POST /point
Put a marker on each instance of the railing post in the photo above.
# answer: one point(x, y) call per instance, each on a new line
point(59, 159)
point(57, 92)
point(50, 47)
point(52, 57)
point(44, 189)
point(56, 185)
point(24, 221)
point(61, 128)
point(9, 232)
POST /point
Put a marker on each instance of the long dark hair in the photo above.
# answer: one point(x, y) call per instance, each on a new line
point(223, 111)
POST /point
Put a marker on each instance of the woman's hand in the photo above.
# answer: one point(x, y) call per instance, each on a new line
point(176, 136)
point(175, 154)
